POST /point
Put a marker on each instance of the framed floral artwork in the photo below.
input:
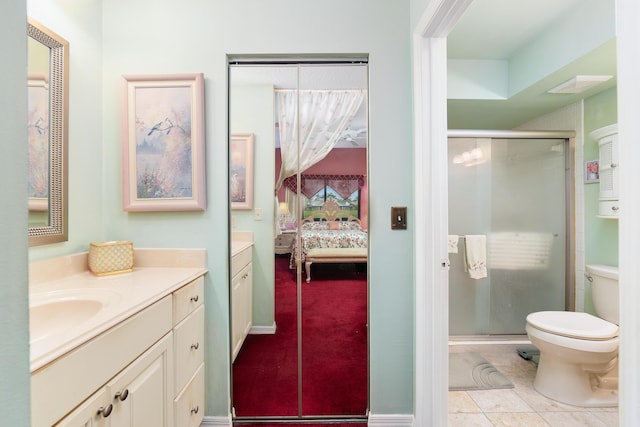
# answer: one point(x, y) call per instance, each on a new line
point(241, 171)
point(163, 144)
point(591, 171)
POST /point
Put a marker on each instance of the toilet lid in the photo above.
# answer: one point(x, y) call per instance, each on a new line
point(573, 324)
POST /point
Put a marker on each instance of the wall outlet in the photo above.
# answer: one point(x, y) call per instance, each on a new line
point(257, 214)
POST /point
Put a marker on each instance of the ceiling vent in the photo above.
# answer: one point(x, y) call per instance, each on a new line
point(579, 84)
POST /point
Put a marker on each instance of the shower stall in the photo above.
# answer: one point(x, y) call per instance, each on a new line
point(513, 188)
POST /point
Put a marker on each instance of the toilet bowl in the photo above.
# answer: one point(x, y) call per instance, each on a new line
point(578, 351)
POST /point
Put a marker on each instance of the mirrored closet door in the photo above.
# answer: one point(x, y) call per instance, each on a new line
point(298, 193)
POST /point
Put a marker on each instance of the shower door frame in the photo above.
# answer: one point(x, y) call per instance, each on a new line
point(569, 168)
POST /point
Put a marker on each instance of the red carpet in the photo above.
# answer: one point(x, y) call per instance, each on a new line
point(334, 346)
point(303, 425)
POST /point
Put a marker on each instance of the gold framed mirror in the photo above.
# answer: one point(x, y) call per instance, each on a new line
point(48, 102)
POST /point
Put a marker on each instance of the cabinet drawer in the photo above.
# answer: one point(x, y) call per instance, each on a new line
point(187, 299)
point(188, 407)
point(609, 208)
point(239, 261)
point(188, 347)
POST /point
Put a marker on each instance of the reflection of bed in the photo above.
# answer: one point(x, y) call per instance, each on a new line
point(329, 238)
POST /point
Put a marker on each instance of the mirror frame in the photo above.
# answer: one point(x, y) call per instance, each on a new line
point(56, 230)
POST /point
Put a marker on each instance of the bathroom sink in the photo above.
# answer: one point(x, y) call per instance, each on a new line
point(54, 312)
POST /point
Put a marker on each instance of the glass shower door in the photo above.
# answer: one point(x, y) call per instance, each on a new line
point(513, 192)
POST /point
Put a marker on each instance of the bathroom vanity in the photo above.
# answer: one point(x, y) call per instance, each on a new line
point(120, 350)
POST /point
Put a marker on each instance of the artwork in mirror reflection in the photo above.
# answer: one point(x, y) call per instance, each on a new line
point(38, 151)
point(241, 171)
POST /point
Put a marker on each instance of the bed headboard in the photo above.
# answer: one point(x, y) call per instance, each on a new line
point(330, 211)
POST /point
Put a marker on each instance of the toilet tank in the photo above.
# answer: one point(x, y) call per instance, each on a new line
point(605, 291)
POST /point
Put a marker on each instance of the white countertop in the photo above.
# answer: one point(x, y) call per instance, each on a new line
point(127, 293)
point(239, 246)
point(240, 240)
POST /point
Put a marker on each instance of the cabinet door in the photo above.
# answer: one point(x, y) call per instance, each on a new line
point(91, 413)
point(142, 392)
point(242, 307)
point(248, 300)
point(609, 167)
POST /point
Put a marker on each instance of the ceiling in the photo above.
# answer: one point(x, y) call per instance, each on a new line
point(489, 30)
point(500, 30)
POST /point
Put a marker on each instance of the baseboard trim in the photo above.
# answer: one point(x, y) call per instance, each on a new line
point(395, 420)
point(381, 420)
point(217, 421)
point(263, 330)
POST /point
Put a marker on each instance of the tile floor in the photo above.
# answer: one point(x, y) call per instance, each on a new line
point(521, 405)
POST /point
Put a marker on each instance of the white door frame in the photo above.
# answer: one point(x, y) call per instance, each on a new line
point(430, 167)
point(431, 258)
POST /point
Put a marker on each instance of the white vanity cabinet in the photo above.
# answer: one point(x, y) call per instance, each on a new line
point(138, 396)
point(147, 370)
point(609, 203)
point(241, 298)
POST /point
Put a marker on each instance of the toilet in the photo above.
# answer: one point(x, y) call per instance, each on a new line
point(578, 351)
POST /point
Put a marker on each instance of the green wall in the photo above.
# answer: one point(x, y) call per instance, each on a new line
point(116, 37)
point(14, 321)
point(80, 23)
point(601, 235)
point(251, 111)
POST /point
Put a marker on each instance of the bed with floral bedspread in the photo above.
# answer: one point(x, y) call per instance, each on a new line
point(330, 242)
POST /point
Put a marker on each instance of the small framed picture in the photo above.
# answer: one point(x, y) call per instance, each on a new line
point(241, 171)
point(591, 172)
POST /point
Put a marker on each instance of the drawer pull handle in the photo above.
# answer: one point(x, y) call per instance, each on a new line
point(122, 395)
point(105, 411)
point(194, 299)
point(614, 208)
point(614, 165)
point(195, 410)
point(195, 346)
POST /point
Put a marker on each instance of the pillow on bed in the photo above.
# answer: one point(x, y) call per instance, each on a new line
point(327, 225)
point(315, 225)
point(350, 225)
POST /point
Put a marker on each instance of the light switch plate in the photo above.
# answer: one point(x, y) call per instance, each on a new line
point(398, 217)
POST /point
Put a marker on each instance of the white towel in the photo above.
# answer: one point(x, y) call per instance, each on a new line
point(476, 255)
point(452, 243)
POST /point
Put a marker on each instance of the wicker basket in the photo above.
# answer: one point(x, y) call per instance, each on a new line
point(110, 257)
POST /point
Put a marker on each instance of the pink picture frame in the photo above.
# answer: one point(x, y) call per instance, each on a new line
point(591, 171)
point(241, 171)
point(163, 143)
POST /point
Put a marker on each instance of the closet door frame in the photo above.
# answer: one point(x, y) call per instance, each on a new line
point(240, 60)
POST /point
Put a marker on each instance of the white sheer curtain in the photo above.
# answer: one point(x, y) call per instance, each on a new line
point(323, 116)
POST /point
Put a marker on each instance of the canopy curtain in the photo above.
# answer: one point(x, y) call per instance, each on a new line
point(344, 185)
point(323, 116)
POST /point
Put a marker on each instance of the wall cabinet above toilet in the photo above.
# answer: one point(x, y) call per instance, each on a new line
point(609, 203)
